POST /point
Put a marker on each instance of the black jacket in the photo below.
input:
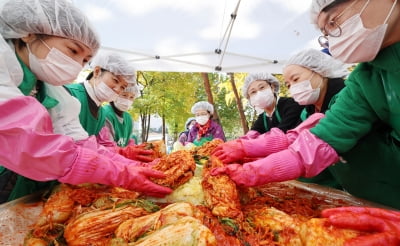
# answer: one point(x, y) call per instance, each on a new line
point(289, 112)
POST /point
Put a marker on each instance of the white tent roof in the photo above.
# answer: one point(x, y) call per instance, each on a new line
point(182, 35)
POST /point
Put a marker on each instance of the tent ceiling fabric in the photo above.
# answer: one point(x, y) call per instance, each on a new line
point(182, 35)
point(199, 62)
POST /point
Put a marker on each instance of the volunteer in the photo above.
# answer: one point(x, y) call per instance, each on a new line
point(362, 128)
point(81, 115)
point(110, 75)
point(183, 136)
point(314, 79)
point(118, 121)
point(262, 90)
point(49, 41)
point(205, 128)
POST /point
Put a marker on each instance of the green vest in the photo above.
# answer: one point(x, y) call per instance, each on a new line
point(363, 127)
point(122, 131)
point(12, 185)
point(91, 124)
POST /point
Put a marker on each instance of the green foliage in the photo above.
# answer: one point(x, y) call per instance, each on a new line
point(227, 109)
point(171, 95)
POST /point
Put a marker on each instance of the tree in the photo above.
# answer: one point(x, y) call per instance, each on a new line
point(169, 95)
point(239, 104)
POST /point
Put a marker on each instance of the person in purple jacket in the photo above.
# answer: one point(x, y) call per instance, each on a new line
point(205, 128)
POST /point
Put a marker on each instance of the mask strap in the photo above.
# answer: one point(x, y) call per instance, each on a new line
point(390, 12)
point(312, 75)
point(365, 6)
point(344, 10)
point(45, 44)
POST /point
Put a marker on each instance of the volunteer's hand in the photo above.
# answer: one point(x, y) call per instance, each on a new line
point(139, 181)
point(276, 167)
point(231, 151)
point(384, 224)
point(307, 156)
point(90, 167)
point(137, 153)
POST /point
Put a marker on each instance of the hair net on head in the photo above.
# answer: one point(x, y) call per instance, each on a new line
point(316, 7)
point(115, 64)
point(259, 76)
point(203, 105)
point(319, 62)
point(188, 122)
point(134, 89)
point(50, 17)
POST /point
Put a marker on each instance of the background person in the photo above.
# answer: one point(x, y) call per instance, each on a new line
point(118, 120)
point(205, 128)
point(80, 115)
point(262, 91)
point(110, 76)
point(183, 136)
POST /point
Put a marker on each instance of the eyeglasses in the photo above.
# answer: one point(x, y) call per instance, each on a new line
point(332, 28)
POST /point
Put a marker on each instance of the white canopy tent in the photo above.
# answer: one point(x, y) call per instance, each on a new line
point(185, 35)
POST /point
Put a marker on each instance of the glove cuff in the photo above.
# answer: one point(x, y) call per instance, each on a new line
point(252, 134)
point(315, 154)
point(277, 167)
point(90, 167)
point(273, 141)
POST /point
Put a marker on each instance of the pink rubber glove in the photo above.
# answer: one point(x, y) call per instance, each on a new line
point(137, 153)
point(110, 152)
point(270, 142)
point(383, 224)
point(103, 138)
point(230, 151)
point(250, 135)
point(90, 167)
point(31, 149)
point(307, 156)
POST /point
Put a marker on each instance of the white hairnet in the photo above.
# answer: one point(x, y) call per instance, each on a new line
point(18, 18)
point(316, 7)
point(188, 122)
point(203, 105)
point(115, 64)
point(259, 76)
point(134, 89)
point(319, 62)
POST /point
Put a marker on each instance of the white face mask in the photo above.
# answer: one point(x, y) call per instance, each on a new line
point(262, 99)
point(122, 104)
point(303, 93)
point(56, 69)
point(104, 93)
point(357, 43)
point(202, 120)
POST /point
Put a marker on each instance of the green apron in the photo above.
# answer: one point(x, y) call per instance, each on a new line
point(12, 185)
point(91, 124)
point(122, 130)
point(202, 141)
point(326, 177)
point(278, 117)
